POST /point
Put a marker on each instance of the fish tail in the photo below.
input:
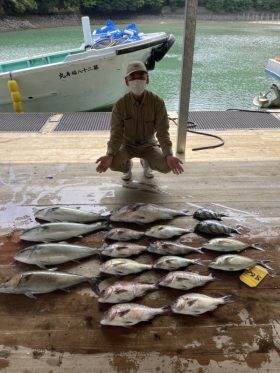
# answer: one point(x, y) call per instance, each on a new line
point(95, 281)
point(198, 262)
point(185, 212)
point(212, 277)
point(255, 246)
point(165, 310)
point(200, 250)
point(227, 299)
point(236, 230)
point(264, 263)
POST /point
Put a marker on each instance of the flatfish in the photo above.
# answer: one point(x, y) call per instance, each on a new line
point(143, 213)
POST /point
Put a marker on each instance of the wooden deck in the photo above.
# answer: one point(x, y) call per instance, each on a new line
point(60, 332)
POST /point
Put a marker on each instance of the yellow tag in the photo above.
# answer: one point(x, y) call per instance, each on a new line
point(253, 276)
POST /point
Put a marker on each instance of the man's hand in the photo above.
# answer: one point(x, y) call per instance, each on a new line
point(104, 163)
point(174, 164)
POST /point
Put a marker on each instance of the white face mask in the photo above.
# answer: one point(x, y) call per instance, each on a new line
point(137, 86)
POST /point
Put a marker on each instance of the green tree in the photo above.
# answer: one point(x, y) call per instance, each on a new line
point(215, 5)
point(17, 6)
point(237, 5)
point(58, 6)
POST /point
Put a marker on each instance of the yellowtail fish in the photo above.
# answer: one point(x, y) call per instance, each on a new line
point(60, 231)
point(196, 304)
point(74, 215)
point(128, 314)
point(48, 254)
point(39, 282)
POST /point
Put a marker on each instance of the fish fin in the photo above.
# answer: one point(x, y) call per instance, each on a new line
point(198, 262)
point(255, 246)
point(63, 242)
point(186, 212)
point(264, 263)
point(166, 310)
point(191, 302)
point(30, 295)
point(227, 299)
point(80, 236)
point(94, 285)
point(51, 269)
point(66, 290)
point(75, 261)
point(119, 291)
point(123, 313)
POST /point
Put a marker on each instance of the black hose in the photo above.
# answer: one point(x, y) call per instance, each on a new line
point(193, 125)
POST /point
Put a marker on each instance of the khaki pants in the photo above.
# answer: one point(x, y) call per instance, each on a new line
point(153, 154)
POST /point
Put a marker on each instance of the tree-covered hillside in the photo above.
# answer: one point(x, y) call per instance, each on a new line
point(126, 7)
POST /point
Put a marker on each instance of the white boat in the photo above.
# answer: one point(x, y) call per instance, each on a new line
point(84, 79)
point(273, 68)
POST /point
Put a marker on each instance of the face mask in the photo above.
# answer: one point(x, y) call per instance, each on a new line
point(137, 86)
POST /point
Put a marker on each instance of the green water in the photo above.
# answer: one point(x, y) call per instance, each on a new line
point(228, 69)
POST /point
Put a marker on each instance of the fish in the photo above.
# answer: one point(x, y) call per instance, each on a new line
point(206, 214)
point(39, 282)
point(123, 266)
point(128, 314)
point(214, 228)
point(67, 214)
point(144, 213)
point(228, 245)
point(124, 291)
point(60, 231)
point(170, 263)
point(123, 234)
point(196, 304)
point(184, 280)
point(172, 248)
point(234, 262)
point(47, 254)
point(165, 231)
point(122, 250)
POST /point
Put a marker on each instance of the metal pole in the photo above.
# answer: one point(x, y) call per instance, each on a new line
point(186, 77)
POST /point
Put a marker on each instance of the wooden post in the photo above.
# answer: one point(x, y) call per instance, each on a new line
point(186, 77)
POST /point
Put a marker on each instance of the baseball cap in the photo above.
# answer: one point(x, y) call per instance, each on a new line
point(135, 66)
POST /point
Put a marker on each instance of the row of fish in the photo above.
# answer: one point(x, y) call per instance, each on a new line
point(48, 254)
point(129, 314)
point(53, 232)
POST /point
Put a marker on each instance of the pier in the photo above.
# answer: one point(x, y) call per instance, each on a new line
point(49, 159)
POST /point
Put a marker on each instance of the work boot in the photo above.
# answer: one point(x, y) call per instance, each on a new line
point(128, 175)
point(147, 169)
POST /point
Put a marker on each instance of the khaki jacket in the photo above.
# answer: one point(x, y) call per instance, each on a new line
point(134, 123)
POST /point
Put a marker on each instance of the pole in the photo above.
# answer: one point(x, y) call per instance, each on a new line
point(186, 76)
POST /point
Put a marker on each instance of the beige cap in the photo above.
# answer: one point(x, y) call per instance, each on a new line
point(135, 66)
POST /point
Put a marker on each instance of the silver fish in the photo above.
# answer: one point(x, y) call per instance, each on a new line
point(196, 304)
point(124, 292)
point(214, 227)
point(74, 215)
point(123, 234)
point(60, 231)
point(47, 254)
point(185, 280)
point(165, 231)
point(122, 250)
point(39, 282)
point(170, 263)
point(233, 262)
point(128, 314)
point(206, 214)
point(171, 248)
point(122, 267)
point(228, 245)
point(143, 213)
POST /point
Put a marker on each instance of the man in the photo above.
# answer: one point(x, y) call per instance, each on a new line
point(136, 119)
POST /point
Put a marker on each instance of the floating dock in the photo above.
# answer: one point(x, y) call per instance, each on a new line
point(49, 159)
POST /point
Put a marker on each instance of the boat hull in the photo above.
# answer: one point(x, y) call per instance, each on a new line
point(83, 82)
point(273, 68)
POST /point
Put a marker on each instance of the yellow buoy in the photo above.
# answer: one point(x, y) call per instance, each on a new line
point(15, 95)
